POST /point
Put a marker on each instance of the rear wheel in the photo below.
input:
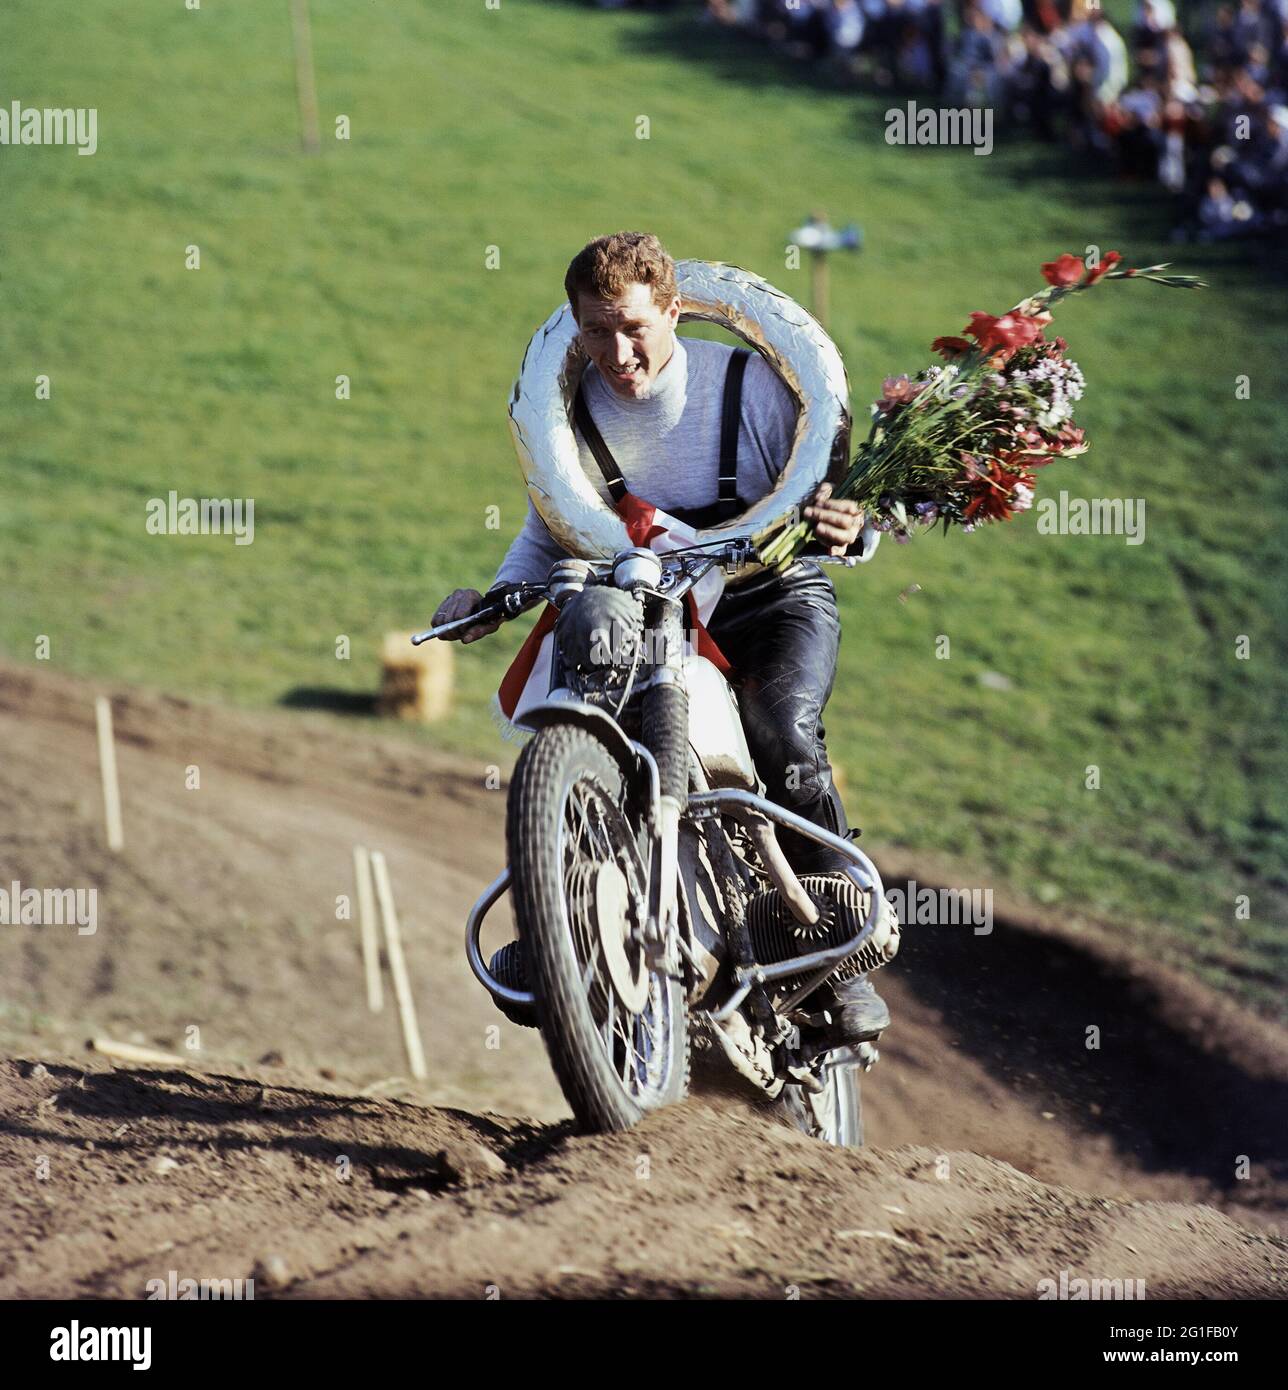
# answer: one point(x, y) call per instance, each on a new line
point(615, 1030)
point(834, 1114)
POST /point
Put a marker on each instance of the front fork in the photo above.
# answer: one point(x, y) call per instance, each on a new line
point(664, 731)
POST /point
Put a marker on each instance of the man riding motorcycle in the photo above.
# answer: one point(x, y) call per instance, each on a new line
point(703, 430)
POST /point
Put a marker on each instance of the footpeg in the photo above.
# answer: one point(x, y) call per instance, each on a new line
point(805, 1075)
point(864, 1055)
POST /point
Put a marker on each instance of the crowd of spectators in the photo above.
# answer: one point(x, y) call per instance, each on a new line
point(1208, 122)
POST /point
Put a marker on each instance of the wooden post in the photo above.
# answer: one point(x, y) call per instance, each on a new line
point(128, 1052)
point(398, 968)
point(415, 682)
point(107, 764)
point(367, 927)
point(306, 93)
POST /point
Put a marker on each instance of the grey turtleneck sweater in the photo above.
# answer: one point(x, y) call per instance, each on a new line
point(668, 444)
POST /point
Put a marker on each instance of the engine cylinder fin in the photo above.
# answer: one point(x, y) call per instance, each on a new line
point(777, 936)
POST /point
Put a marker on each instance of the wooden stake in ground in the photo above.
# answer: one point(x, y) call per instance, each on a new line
point(128, 1052)
point(306, 92)
point(367, 927)
point(107, 763)
point(398, 968)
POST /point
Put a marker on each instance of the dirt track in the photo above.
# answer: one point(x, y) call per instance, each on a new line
point(1001, 1150)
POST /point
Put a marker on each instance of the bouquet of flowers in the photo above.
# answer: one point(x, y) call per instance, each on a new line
point(958, 443)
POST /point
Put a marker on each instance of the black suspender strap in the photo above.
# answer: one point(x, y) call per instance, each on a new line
point(730, 420)
point(727, 504)
point(590, 433)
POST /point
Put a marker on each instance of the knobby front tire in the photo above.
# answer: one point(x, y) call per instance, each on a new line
point(566, 820)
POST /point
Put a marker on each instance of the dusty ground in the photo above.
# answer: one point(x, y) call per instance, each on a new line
point(1002, 1149)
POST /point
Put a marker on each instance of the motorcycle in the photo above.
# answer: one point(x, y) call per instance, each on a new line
point(658, 918)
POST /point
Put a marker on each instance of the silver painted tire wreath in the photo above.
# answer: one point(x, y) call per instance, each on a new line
point(785, 335)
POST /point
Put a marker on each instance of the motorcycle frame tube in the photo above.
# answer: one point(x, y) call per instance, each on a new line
point(735, 802)
point(474, 951)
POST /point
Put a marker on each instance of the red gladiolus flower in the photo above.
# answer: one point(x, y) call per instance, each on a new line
point(950, 347)
point(1066, 270)
point(1111, 259)
point(1019, 461)
point(1005, 334)
point(995, 499)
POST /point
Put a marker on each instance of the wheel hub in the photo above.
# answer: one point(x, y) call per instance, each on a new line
point(612, 923)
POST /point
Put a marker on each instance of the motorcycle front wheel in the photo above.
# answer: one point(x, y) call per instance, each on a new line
point(616, 1031)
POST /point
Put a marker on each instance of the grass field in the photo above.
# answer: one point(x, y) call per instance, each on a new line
point(515, 128)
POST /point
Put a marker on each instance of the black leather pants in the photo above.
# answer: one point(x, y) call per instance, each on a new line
point(781, 634)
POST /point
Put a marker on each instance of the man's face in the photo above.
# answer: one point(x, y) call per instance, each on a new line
point(628, 338)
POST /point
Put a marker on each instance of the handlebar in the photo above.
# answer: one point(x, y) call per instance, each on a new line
point(518, 599)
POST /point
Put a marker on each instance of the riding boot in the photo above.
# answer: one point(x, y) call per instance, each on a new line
point(859, 1014)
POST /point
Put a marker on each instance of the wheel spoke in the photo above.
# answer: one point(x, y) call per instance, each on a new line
point(639, 1065)
point(640, 1043)
point(610, 1015)
point(579, 825)
point(622, 1030)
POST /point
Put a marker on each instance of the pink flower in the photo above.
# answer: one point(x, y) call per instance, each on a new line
point(896, 391)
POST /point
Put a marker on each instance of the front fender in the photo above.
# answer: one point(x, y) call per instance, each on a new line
point(636, 761)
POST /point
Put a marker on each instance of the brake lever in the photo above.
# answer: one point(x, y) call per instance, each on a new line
point(509, 606)
point(470, 620)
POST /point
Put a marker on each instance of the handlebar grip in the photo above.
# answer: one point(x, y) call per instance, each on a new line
point(501, 609)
